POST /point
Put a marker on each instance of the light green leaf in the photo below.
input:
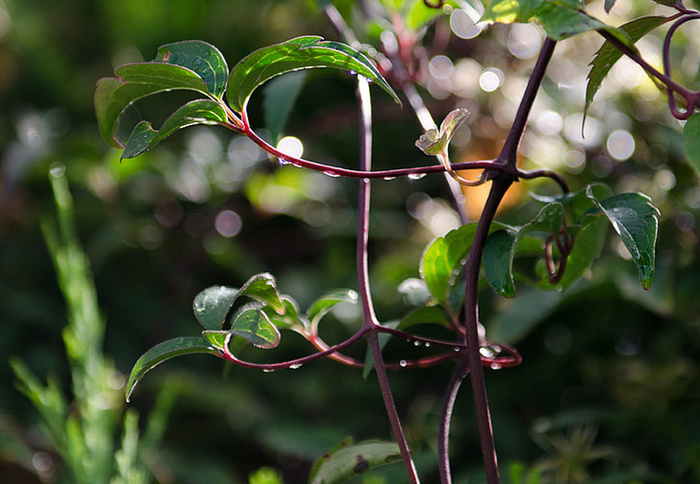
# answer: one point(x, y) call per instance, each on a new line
point(559, 18)
point(164, 351)
point(635, 220)
point(325, 303)
point(347, 460)
point(200, 57)
point(691, 130)
point(434, 142)
point(501, 247)
point(144, 137)
point(296, 54)
point(608, 55)
point(254, 326)
point(133, 82)
point(263, 288)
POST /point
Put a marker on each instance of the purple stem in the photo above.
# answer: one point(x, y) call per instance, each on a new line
point(369, 318)
point(501, 182)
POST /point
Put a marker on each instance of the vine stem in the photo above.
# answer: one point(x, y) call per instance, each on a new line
point(369, 317)
point(501, 182)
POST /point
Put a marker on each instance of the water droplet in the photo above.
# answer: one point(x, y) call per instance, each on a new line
point(495, 366)
point(331, 174)
point(389, 178)
point(416, 176)
point(487, 352)
point(295, 366)
point(457, 349)
point(268, 370)
point(284, 161)
point(416, 343)
point(560, 288)
point(403, 363)
point(427, 344)
point(353, 73)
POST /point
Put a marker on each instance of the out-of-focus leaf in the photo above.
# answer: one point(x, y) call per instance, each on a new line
point(418, 14)
point(133, 82)
point(213, 304)
point(522, 315)
point(609, 5)
point(200, 57)
point(256, 328)
point(296, 54)
point(692, 145)
point(164, 351)
point(280, 95)
point(559, 18)
point(144, 137)
point(347, 460)
point(501, 247)
point(325, 303)
point(635, 220)
point(608, 55)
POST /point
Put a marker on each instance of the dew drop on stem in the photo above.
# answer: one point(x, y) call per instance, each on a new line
point(403, 363)
point(268, 370)
point(331, 174)
point(295, 366)
point(416, 176)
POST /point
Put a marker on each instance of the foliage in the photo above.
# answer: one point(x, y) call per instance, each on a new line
point(173, 220)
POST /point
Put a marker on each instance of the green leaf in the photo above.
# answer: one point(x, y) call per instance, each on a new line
point(212, 305)
point(443, 259)
point(164, 351)
point(346, 460)
point(589, 238)
point(300, 53)
point(691, 130)
point(433, 142)
point(133, 82)
point(635, 220)
point(290, 319)
point(280, 95)
point(609, 4)
point(200, 57)
point(325, 303)
point(419, 14)
point(254, 326)
point(559, 18)
point(263, 288)
point(501, 247)
point(144, 137)
point(608, 55)
point(425, 315)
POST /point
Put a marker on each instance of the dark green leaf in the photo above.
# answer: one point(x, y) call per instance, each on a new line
point(443, 259)
point(425, 315)
point(635, 220)
point(280, 95)
point(521, 315)
point(609, 5)
point(325, 303)
point(608, 55)
point(133, 82)
point(200, 57)
point(256, 328)
point(290, 319)
point(213, 304)
point(501, 247)
point(692, 146)
point(164, 351)
point(144, 137)
point(300, 53)
point(346, 461)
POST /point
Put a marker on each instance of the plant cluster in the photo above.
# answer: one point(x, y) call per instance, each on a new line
point(567, 234)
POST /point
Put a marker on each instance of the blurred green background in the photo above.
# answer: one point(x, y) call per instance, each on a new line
point(609, 381)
